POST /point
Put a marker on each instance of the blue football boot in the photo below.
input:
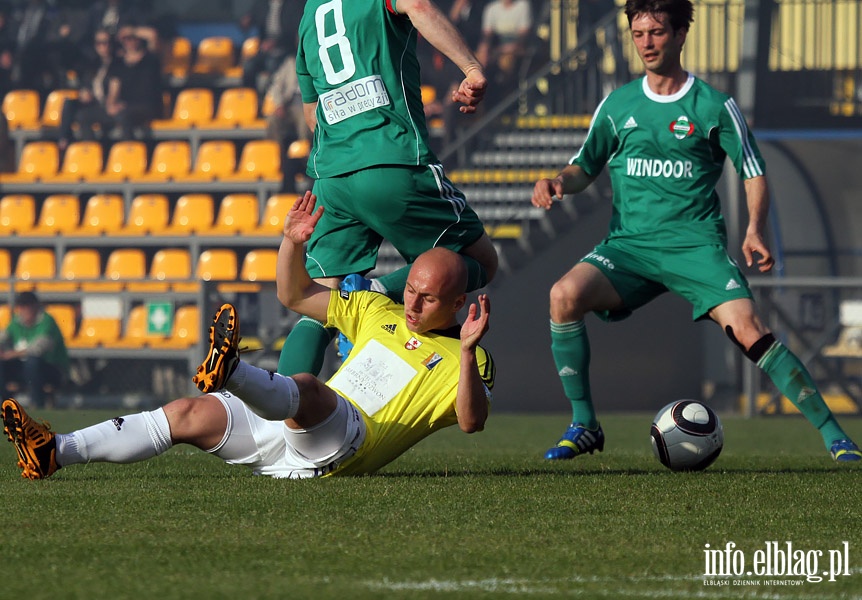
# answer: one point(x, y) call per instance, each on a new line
point(845, 451)
point(577, 440)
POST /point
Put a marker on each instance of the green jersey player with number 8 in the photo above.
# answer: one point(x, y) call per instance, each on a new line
point(375, 174)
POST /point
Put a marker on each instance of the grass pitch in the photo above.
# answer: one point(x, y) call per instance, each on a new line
point(480, 516)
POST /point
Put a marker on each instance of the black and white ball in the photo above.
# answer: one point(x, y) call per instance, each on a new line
point(686, 436)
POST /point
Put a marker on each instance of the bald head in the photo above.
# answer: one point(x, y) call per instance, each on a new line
point(443, 269)
point(436, 290)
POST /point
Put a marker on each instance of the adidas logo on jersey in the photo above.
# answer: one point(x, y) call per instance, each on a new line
point(731, 285)
point(388, 328)
point(630, 123)
point(567, 372)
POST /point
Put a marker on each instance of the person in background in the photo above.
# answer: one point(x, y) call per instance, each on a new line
point(664, 138)
point(88, 110)
point(275, 22)
point(134, 89)
point(32, 350)
point(506, 29)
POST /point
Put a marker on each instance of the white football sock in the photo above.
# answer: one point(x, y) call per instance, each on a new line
point(274, 397)
point(121, 440)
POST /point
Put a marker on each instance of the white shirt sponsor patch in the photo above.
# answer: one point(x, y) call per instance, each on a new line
point(353, 98)
point(373, 377)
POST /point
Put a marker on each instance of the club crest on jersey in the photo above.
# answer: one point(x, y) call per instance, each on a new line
point(432, 361)
point(681, 128)
point(412, 344)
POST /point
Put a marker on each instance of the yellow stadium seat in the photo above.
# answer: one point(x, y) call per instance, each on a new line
point(214, 56)
point(215, 160)
point(217, 264)
point(259, 160)
point(177, 57)
point(53, 110)
point(299, 149)
point(60, 214)
point(127, 161)
point(39, 161)
point(127, 269)
point(5, 273)
point(5, 316)
point(429, 94)
point(21, 108)
point(193, 107)
point(237, 215)
point(82, 162)
point(185, 332)
point(173, 266)
point(96, 331)
point(134, 333)
point(149, 213)
point(103, 213)
point(77, 266)
point(34, 265)
point(66, 317)
point(171, 160)
point(17, 214)
point(259, 265)
point(274, 212)
point(192, 214)
point(237, 107)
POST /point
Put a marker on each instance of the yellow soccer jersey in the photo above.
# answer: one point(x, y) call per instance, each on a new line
point(403, 383)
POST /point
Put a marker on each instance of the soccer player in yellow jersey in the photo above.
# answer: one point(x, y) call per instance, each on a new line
point(413, 371)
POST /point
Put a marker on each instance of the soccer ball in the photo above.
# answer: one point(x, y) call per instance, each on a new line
point(686, 436)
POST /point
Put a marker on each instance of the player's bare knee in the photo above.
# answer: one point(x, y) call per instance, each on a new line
point(564, 300)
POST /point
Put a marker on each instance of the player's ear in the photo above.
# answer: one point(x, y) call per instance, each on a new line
point(460, 301)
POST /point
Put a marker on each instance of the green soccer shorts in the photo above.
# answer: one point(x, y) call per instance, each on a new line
point(413, 208)
point(706, 276)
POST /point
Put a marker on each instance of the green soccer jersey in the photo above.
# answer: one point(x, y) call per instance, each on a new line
point(665, 155)
point(358, 61)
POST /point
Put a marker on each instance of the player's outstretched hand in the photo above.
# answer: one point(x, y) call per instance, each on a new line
point(545, 191)
point(302, 219)
point(471, 91)
point(754, 244)
point(476, 325)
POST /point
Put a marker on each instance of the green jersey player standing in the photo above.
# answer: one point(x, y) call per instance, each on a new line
point(664, 139)
point(375, 174)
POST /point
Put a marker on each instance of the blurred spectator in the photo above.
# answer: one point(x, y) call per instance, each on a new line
point(594, 84)
point(7, 52)
point(287, 122)
point(506, 29)
point(31, 68)
point(466, 15)
point(134, 88)
point(88, 111)
point(443, 77)
point(113, 15)
point(32, 350)
point(276, 23)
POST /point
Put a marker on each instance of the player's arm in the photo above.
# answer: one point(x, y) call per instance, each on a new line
point(445, 37)
point(309, 111)
point(471, 403)
point(571, 180)
point(294, 287)
point(757, 200)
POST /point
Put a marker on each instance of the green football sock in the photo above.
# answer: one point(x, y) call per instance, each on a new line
point(794, 381)
point(571, 349)
point(305, 348)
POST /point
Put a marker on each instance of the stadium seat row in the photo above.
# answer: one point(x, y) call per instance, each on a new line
point(192, 107)
point(127, 269)
point(114, 333)
point(216, 160)
point(149, 214)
